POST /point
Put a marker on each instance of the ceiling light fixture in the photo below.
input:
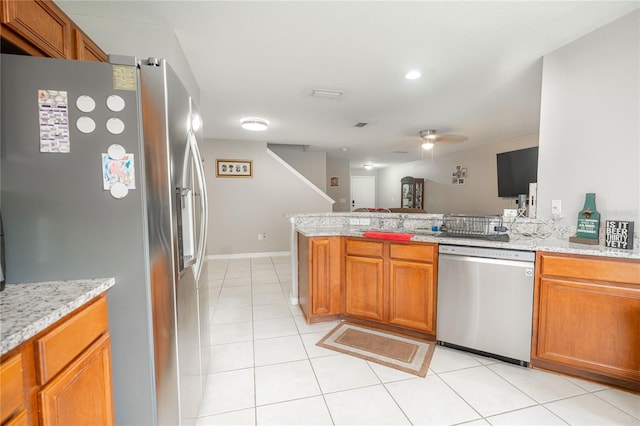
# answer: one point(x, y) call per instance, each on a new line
point(427, 145)
point(254, 124)
point(413, 75)
point(368, 166)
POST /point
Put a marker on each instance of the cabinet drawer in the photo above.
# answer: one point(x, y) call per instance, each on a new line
point(66, 341)
point(417, 252)
point(11, 387)
point(364, 248)
point(590, 268)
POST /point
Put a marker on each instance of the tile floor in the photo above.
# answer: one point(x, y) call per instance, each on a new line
point(266, 370)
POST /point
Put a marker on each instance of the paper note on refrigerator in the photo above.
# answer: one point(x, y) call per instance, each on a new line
point(121, 170)
point(53, 114)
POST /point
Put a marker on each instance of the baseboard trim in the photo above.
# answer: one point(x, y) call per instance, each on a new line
point(246, 255)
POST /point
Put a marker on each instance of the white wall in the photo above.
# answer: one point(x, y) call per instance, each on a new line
point(479, 194)
point(143, 42)
point(310, 164)
point(241, 208)
point(589, 124)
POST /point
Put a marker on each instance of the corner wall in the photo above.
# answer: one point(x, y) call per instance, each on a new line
point(590, 124)
point(241, 208)
point(142, 42)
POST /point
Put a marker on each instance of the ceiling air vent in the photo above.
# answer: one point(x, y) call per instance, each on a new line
point(327, 94)
point(361, 124)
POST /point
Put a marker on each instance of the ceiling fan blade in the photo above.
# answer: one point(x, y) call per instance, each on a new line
point(451, 138)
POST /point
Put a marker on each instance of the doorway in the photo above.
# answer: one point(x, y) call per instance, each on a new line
point(363, 192)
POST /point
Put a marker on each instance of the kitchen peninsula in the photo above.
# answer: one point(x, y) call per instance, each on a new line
point(581, 292)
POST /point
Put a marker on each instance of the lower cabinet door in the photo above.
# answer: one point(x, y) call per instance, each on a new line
point(412, 295)
point(364, 287)
point(82, 393)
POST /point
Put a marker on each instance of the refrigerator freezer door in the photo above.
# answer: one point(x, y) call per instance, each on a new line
point(62, 224)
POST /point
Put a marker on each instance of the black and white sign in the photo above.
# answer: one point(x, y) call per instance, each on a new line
point(619, 234)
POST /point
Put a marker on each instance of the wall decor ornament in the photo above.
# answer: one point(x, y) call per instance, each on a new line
point(234, 168)
point(459, 175)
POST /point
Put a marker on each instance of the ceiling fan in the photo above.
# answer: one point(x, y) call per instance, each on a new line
point(430, 137)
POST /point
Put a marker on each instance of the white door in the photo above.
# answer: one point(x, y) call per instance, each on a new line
point(363, 192)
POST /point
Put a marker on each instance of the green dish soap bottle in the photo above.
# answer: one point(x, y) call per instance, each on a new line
point(588, 221)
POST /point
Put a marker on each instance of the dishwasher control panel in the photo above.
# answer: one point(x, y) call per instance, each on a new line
point(490, 252)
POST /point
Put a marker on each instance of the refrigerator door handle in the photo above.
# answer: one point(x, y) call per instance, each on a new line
point(204, 212)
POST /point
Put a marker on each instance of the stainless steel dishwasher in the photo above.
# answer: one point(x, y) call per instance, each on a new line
point(485, 301)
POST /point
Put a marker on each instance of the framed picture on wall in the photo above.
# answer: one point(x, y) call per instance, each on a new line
point(335, 181)
point(234, 168)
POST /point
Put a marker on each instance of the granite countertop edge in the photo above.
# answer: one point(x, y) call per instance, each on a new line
point(555, 245)
point(28, 308)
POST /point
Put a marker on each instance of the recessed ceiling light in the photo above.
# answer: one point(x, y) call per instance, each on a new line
point(255, 124)
point(412, 75)
point(344, 149)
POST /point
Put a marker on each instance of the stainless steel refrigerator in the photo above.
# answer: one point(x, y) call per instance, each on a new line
point(101, 176)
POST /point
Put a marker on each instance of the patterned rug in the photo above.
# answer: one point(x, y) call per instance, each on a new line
point(383, 347)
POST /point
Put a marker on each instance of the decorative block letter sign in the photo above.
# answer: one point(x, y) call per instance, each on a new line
point(619, 234)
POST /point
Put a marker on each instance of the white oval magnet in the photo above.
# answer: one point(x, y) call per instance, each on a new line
point(85, 103)
point(115, 103)
point(86, 124)
point(116, 151)
point(115, 126)
point(119, 190)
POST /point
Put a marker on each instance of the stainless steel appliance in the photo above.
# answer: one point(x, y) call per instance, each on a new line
point(485, 301)
point(101, 176)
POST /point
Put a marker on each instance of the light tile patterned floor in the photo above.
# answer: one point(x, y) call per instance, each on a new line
point(265, 369)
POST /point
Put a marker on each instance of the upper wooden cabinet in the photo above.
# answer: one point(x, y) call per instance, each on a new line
point(40, 28)
point(86, 49)
point(588, 317)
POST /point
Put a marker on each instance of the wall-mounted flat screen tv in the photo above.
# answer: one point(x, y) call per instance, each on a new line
point(516, 170)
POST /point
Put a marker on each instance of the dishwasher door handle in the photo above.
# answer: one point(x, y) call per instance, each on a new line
point(492, 261)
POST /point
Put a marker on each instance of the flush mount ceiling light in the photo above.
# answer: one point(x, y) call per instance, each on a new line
point(254, 123)
point(412, 75)
point(368, 166)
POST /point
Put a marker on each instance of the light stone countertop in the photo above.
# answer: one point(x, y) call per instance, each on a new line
point(516, 243)
point(28, 308)
point(525, 234)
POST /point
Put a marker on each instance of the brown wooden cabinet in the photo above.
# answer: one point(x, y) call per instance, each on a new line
point(587, 317)
point(364, 279)
point(40, 28)
point(17, 388)
point(61, 376)
point(320, 277)
point(392, 283)
point(412, 286)
point(81, 394)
